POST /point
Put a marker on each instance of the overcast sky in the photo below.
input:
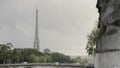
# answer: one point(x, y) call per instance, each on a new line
point(63, 24)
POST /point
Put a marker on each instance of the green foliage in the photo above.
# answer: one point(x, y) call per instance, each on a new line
point(92, 40)
point(4, 54)
point(57, 57)
point(30, 55)
point(77, 59)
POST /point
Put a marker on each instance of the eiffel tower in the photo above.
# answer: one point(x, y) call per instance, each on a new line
point(36, 40)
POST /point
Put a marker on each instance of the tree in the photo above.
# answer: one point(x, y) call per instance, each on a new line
point(92, 40)
point(77, 59)
point(18, 55)
point(58, 57)
point(3, 54)
point(45, 59)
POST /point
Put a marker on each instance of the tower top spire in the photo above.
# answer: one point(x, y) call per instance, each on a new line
point(36, 6)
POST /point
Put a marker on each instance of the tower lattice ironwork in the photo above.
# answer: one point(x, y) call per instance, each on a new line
point(36, 40)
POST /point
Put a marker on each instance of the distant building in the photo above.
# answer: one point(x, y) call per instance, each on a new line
point(9, 45)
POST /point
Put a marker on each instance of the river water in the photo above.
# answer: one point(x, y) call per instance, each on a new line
point(42, 67)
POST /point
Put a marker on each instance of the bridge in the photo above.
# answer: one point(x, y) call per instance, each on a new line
point(47, 64)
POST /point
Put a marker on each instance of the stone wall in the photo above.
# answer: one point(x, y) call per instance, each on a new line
point(108, 45)
point(109, 23)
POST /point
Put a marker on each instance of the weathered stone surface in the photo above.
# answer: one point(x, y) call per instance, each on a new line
point(109, 23)
point(108, 45)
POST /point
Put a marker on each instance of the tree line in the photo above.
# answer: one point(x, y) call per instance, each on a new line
point(30, 55)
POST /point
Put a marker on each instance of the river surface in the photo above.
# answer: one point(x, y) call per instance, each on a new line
point(42, 67)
